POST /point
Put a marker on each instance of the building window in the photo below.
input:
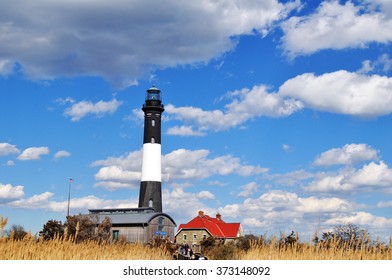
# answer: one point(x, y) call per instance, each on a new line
point(153, 122)
point(115, 235)
point(194, 237)
point(184, 237)
point(160, 223)
point(204, 236)
point(152, 140)
point(150, 203)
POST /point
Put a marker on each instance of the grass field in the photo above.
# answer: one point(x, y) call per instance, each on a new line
point(65, 248)
point(60, 249)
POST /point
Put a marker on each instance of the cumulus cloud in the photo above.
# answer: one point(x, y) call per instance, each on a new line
point(83, 108)
point(177, 166)
point(347, 155)
point(122, 40)
point(7, 149)
point(9, 193)
point(370, 177)
point(336, 26)
point(278, 208)
point(37, 201)
point(245, 105)
point(186, 204)
point(342, 92)
point(361, 218)
point(33, 153)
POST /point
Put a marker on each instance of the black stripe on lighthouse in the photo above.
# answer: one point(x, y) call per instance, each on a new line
point(150, 186)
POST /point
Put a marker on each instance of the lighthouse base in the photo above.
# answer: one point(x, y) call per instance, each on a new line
point(151, 195)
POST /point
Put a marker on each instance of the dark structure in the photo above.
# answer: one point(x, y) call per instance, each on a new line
point(146, 222)
point(150, 186)
point(136, 224)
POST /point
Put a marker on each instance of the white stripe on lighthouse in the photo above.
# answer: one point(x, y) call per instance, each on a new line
point(151, 167)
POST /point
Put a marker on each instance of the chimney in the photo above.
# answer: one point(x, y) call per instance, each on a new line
point(218, 216)
point(201, 213)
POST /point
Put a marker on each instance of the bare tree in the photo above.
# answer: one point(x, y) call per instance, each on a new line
point(17, 232)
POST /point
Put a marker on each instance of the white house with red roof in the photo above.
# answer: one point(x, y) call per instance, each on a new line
point(204, 226)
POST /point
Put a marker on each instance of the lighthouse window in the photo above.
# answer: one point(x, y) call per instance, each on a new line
point(152, 140)
point(150, 204)
point(153, 122)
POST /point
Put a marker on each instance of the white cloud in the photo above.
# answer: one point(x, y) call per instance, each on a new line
point(384, 204)
point(382, 64)
point(371, 177)
point(184, 130)
point(196, 165)
point(286, 147)
point(122, 40)
point(248, 189)
point(362, 219)
point(342, 92)
point(9, 193)
point(322, 205)
point(246, 104)
point(284, 210)
point(6, 67)
point(34, 202)
point(335, 26)
point(61, 154)
point(10, 163)
point(83, 108)
point(77, 205)
point(290, 179)
point(185, 204)
point(33, 153)
point(177, 166)
point(205, 195)
point(116, 174)
point(347, 155)
point(6, 149)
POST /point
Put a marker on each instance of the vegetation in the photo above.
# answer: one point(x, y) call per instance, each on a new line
point(59, 241)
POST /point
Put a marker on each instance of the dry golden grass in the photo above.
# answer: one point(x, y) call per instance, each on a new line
point(31, 248)
point(305, 251)
point(61, 249)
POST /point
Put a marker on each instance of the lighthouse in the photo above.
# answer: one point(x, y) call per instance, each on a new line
point(150, 194)
point(139, 224)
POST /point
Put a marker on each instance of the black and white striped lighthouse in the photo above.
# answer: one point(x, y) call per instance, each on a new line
point(150, 194)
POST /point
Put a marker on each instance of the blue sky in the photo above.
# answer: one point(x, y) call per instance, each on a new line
point(277, 114)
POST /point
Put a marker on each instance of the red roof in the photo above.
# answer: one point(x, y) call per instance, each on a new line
point(215, 226)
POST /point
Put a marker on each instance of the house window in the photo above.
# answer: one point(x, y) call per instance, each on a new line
point(194, 237)
point(184, 236)
point(115, 235)
point(204, 236)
